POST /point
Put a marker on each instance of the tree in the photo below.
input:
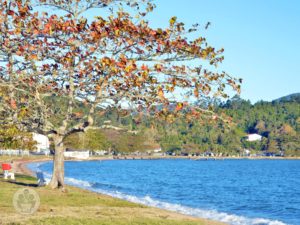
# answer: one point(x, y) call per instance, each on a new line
point(261, 126)
point(55, 63)
point(286, 129)
point(92, 139)
point(273, 146)
point(12, 138)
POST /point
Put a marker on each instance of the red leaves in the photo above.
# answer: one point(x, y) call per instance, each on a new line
point(119, 54)
point(10, 13)
point(23, 11)
point(144, 67)
point(20, 51)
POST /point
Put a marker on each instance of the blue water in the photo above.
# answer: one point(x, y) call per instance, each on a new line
point(233, 191)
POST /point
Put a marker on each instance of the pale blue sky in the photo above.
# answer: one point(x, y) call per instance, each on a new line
point(261, 39)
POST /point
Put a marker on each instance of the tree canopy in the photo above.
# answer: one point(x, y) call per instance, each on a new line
point(52, 62)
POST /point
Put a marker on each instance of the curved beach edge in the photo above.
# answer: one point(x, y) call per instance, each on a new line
point(20, 167)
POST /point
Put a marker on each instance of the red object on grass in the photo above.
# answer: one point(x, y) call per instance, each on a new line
point(6, 166)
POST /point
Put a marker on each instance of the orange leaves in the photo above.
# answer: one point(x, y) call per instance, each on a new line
point(196, 92)
point(36, 32)
point(119, 54)
point(92, 49)
point(170, 88)
point(130, 41)
point(98, 88)
point(117, 32)
point(106, 61)
point(78, 114)
point(95, 35)
point(179, 106)
point(144, 67)
point(158, 67)
point(123, 58)
point(121, 65)
point(13, 104)
point(160, 93)
point(33, 57)
point(48, 29)
point(128, 68)
point(23, 11)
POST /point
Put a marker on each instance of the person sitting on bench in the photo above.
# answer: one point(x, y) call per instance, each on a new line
point(41, 179)
point(7, 170)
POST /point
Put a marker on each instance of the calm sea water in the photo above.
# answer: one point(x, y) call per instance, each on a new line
point(233, 191)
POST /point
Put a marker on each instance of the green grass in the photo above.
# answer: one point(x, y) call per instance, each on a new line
point(78, 206)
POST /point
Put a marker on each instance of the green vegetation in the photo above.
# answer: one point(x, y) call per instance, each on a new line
point(278, 122)
point(113, 140)
point(83, 207)
point(12, 138)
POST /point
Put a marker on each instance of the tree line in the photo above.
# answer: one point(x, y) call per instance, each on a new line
point(277, 122)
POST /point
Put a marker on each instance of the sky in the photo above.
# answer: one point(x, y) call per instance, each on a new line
point(261, 40)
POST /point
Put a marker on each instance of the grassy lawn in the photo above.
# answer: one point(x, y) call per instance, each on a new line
point(79, 206)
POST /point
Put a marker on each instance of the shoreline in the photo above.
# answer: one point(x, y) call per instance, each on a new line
point(181, 211)
point(130, 157)
point(20, 164)
point(21, 167)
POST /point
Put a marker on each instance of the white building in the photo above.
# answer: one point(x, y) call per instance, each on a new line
point(157, 150)
point(101, 152)
point(247, 152)
point(77, 154)
point(254, 137)
point(42, 142)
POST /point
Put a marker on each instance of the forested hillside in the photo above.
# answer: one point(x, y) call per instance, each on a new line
point(277, 121)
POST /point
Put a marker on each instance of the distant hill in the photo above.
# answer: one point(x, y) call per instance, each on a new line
point(289, 98)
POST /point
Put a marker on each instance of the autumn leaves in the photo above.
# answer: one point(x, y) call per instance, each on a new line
point(117, 57)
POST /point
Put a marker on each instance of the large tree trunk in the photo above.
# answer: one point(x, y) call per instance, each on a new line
point(57, 180)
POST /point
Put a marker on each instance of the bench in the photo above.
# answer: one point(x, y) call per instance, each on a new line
point(6, 168)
